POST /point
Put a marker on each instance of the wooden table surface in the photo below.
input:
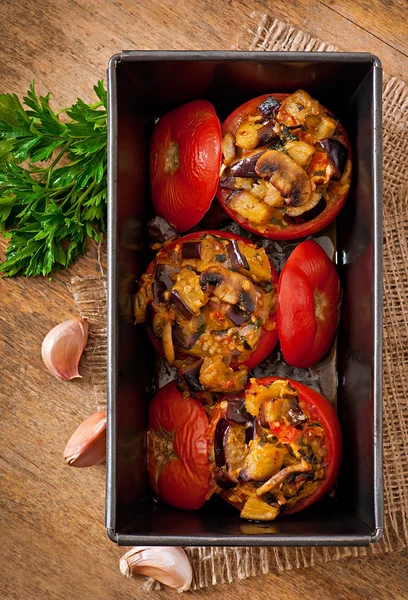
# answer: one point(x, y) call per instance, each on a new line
point(53, 542)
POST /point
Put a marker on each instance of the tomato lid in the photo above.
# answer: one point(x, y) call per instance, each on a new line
point(185, 162)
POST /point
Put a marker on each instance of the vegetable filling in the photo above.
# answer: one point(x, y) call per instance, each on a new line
point(268, 450)
point(210, 299)
point(284, 160)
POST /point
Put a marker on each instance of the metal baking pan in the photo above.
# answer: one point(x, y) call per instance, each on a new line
point(142, 86)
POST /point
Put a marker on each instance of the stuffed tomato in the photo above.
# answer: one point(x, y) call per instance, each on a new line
point(286, 166)
point(209, 301)
point(274, 449)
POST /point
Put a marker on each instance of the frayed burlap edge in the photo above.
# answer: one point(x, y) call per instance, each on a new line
point(213, 566)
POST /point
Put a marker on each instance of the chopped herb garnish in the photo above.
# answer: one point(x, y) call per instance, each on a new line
point(201, 329)
point(268, 287)
point(220, 258)
point(258, 322)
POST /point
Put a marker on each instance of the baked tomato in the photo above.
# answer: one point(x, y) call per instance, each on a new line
point(185, 161)
point(286, 166)
point(308, 305)
point(209, 302)
point(178, 464)
point(274, 449)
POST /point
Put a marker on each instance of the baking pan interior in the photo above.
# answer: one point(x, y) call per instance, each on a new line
point(142, 88)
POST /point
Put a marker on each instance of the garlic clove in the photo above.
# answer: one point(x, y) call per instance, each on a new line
point(87, 445)
point(169, 565)
point(63, 346)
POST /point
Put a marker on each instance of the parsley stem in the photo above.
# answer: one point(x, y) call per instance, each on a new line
point(48, 171)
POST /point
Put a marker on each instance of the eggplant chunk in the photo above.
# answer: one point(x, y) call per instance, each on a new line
point(224, 480)
point(264, 459)
point(246, 136)
point(191, 375)
point(245, 167)
point(297, 107)
point(160, 230)
point(269, 107)
point(286, 176)
point(258, 262)
point(236, 412)
point(236, 315)
point(191, 250)
point(220, 436)
point(250, 208)
point(255, 394)
point(278, 409)
point(256, 509)
point(165, 275)
point(237, 259)
point(229, 447)
point(216, 376)
point(337, 153)
point(228, 148)
point(230, 287)
point(185, 337)
point(321, 126)
point(188, 292)
point(267, 134)
point(300, 152)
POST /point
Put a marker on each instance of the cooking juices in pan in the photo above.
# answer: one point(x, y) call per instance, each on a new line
point(214, 310)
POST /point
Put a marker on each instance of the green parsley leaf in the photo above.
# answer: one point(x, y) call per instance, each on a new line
point(52, 204)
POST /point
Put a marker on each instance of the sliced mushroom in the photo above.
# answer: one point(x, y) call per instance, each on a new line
point(167, 341)
point(230, 287)
point(275, 480)
point(290, 179)
point(296, 211)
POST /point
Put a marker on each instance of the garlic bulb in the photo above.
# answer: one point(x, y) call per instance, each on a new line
point(87, 445)
point(62, 348)
point(165, 564)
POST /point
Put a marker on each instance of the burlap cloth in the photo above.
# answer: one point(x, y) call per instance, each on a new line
point(219, 565)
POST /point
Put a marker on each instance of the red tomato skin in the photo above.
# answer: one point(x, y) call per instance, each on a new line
point(308, 277)
point(184, 195)
point(292, 232)
point(269, 337)
point(183, 482)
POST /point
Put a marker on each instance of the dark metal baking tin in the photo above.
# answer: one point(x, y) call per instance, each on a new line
point(142, 86)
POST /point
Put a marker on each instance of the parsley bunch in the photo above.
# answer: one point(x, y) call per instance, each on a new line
point(52, 181)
